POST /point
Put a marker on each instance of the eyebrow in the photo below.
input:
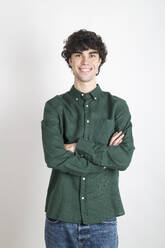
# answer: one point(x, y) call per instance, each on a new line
point(89, 52)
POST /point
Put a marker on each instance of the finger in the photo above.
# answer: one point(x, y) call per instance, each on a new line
point(116, 143)
point(115, 138)
point(118, 139)
point(116, 135)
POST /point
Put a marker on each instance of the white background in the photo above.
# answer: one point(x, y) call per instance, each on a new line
point(33, 71)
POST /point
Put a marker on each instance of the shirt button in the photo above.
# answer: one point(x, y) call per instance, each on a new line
point(83, 178)
point(95, 97)
point(82, 94)
point(87, 121)
point(76, 99)
point(82, 197)
point(87, 105)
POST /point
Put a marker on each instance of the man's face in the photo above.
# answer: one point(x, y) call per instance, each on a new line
point(85, 65)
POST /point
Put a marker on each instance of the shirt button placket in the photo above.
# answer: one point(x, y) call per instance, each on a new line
point(83, 178)
point(83, 199)
point(87, 119)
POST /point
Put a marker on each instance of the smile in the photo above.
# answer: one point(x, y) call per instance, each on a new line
point(85, 69)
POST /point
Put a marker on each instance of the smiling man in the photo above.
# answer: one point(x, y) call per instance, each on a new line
point(85, 66)
point(87, 139)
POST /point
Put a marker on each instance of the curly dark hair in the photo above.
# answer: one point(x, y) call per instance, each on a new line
point(84, 40)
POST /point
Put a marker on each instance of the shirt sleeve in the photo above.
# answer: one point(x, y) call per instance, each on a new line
point(113, 157)
point(56, 156)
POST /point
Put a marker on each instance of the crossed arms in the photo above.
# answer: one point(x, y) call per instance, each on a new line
point(117, 155)
point(115, 140)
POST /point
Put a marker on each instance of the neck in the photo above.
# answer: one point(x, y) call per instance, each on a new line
point(85, 87)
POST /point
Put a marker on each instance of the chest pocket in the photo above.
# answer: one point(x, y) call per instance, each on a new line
point(102, 129)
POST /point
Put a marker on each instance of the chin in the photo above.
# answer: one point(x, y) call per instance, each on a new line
point(86, 79)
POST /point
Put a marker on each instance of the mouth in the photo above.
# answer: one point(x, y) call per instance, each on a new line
point(85, 70)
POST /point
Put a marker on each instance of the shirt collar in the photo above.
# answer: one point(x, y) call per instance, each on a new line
point(77, 94)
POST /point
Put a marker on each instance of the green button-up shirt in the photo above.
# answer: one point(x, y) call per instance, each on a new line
point(80, 189)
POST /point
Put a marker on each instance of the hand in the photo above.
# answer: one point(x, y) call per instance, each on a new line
point(71, 147)
point(116, 139)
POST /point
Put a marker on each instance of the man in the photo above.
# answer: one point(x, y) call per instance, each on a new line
point(87, 139)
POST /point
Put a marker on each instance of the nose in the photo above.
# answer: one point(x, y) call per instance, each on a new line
point(85, 60)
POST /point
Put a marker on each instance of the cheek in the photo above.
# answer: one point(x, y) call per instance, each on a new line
point(96, 64)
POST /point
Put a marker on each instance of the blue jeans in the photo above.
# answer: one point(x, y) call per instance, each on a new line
point(60, 234)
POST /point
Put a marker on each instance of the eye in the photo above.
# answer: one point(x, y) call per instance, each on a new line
point(77, 55)
point(93, 55)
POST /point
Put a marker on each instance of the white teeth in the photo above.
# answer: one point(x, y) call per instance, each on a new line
point(84, 70)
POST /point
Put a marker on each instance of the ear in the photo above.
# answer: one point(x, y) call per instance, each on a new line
point(100, 61)
point(70, 62)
